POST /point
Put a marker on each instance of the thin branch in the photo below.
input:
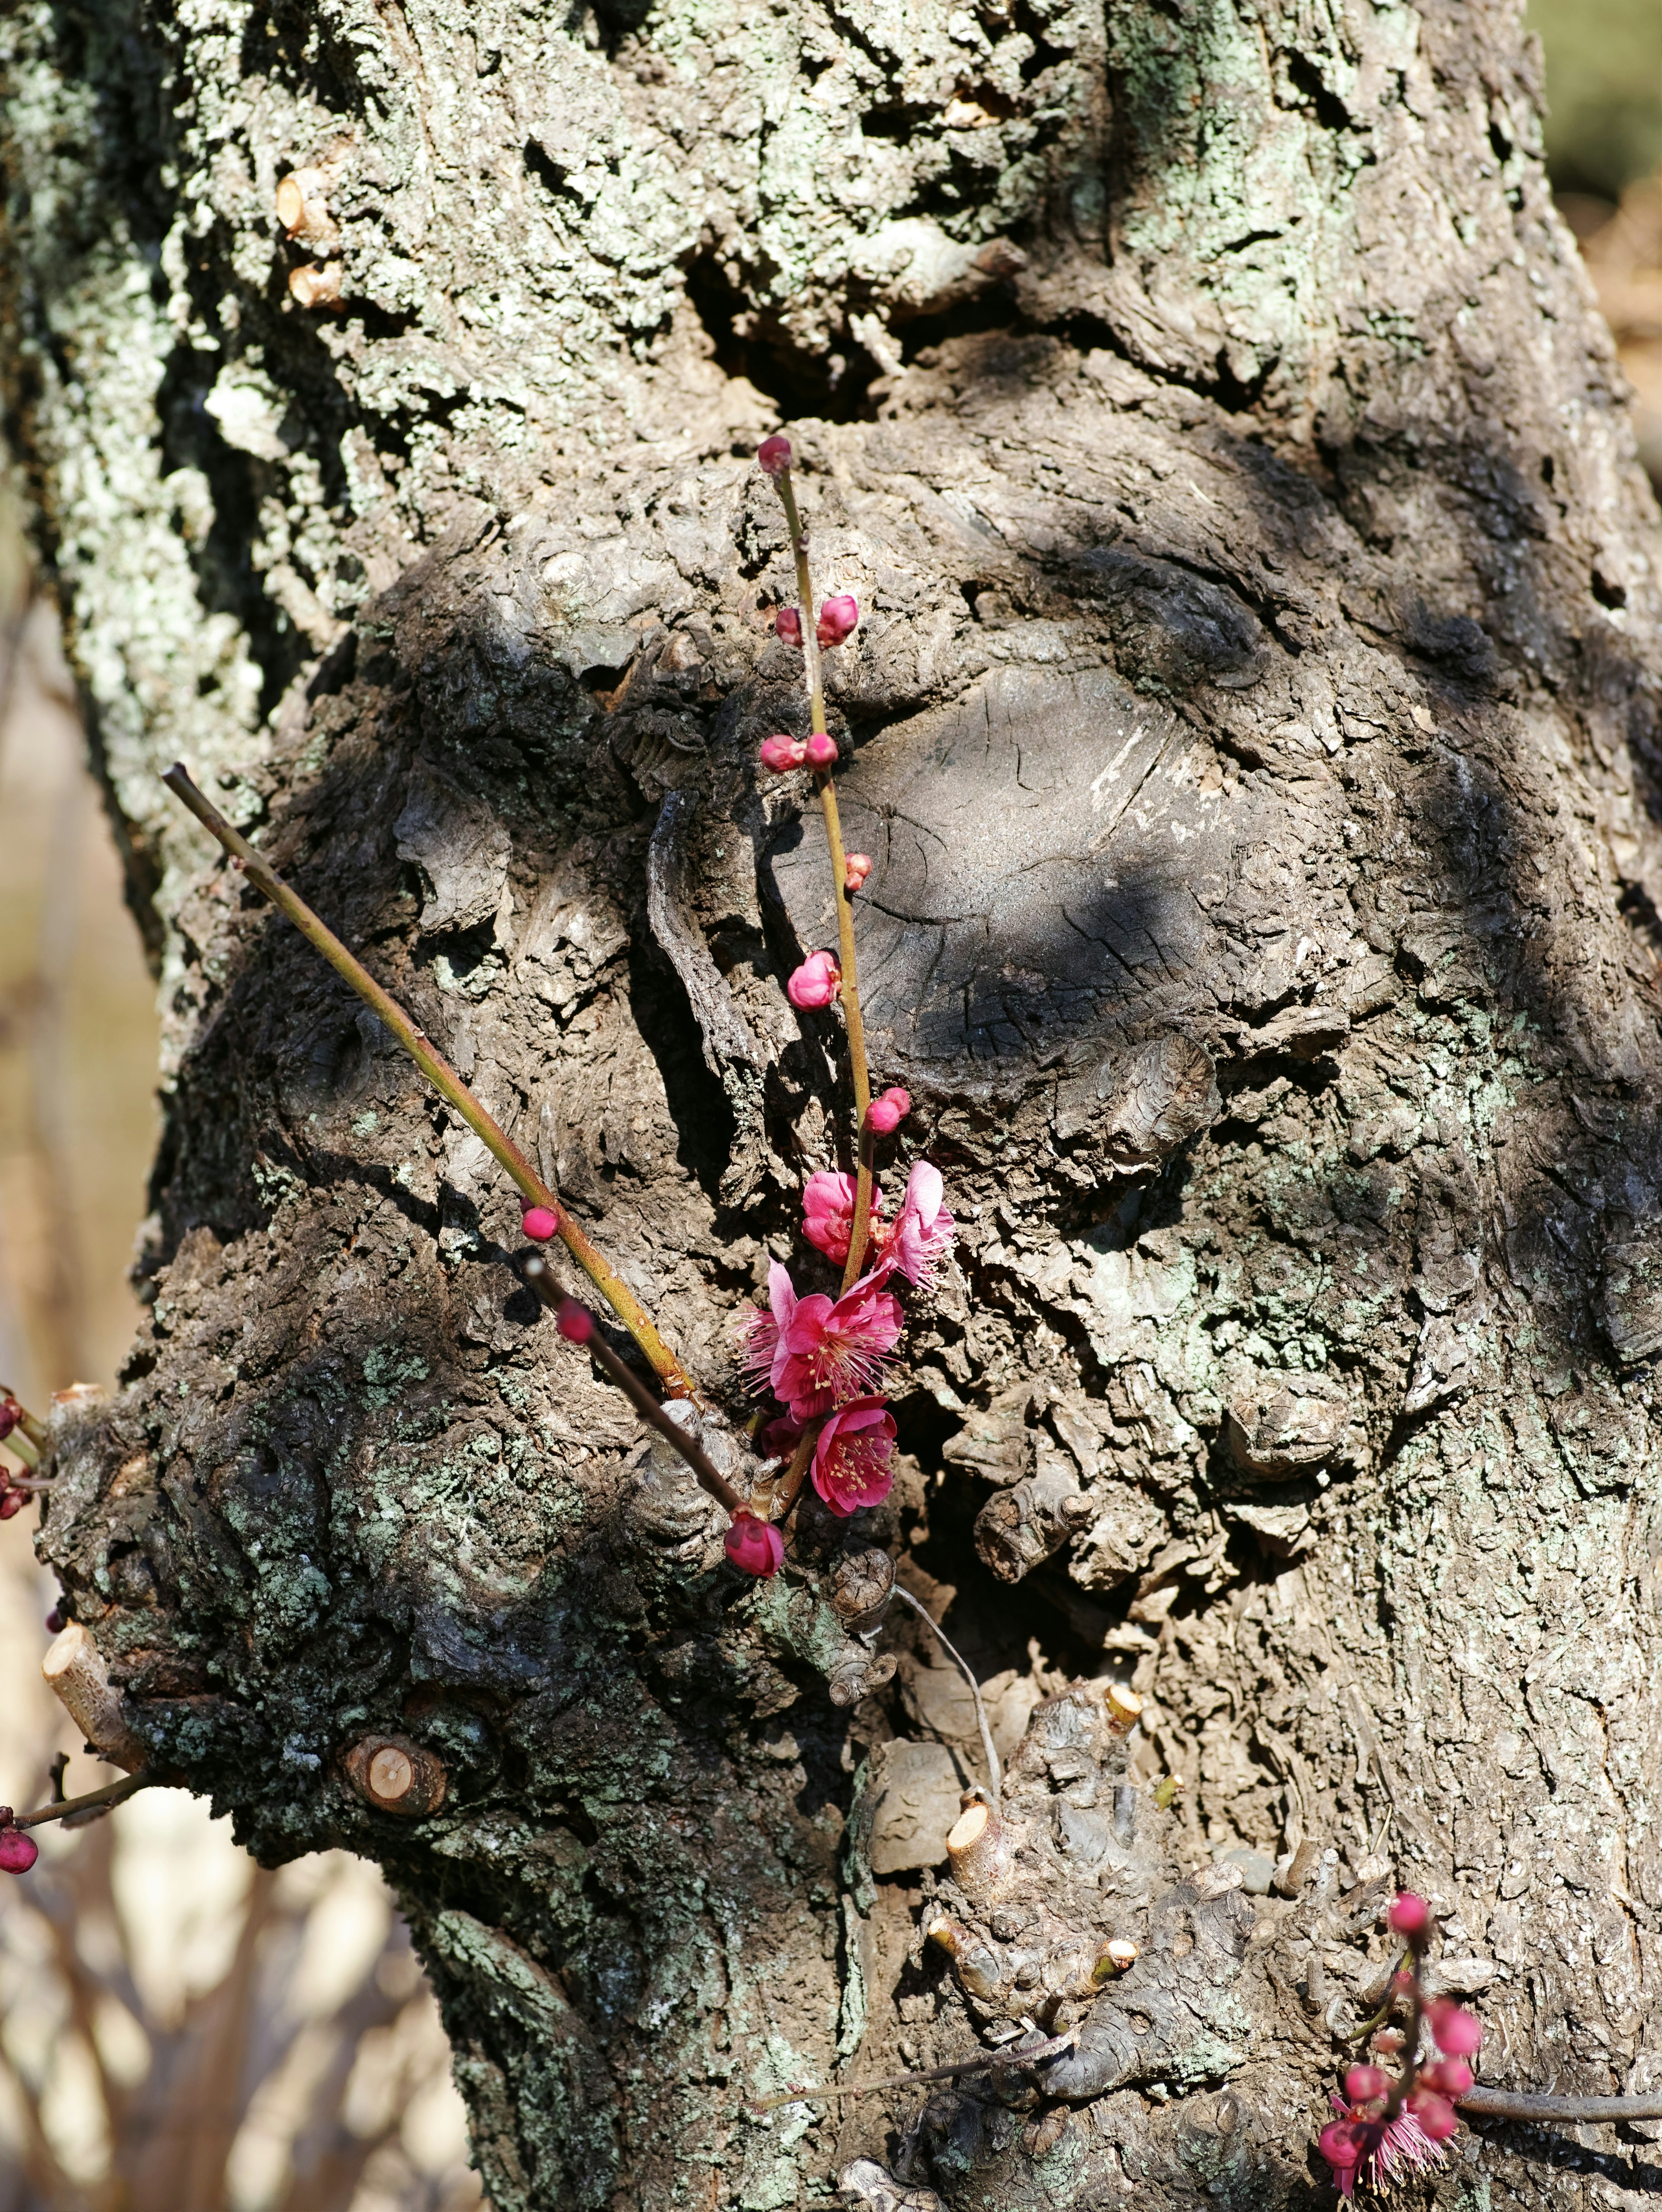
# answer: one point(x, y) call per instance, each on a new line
point(92, 1801)
point(1555, 2111)
point(443, 1078)
point(995, 1772)
point(979, 2064)
point(540, 1276)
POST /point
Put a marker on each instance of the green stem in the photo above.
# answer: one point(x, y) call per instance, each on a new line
point(827, 787)
point(443, 1078)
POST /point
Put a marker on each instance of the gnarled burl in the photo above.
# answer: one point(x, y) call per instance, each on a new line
point(1254, 725)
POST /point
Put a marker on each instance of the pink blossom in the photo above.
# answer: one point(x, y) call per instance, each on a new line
point(18, 1848)
point(755, 1546)
point(1409, 1916)
point(782, 754)
point(828, 1211)
point(831, 1350)
point(856, 866)
point(851, 1457)
point(821, 750)
point(922, 1233)
point(540, 1223)
point(837, 616)
point(1456, 2033)
point(1357, 2141)
point(773, 454)
point(816, 982)
point(788, 624)
point(886, 1113)
point(759, 1331)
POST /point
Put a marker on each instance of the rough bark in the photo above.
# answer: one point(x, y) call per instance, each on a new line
point(1255, 724)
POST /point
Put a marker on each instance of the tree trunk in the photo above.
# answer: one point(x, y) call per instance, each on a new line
point(1254, 722)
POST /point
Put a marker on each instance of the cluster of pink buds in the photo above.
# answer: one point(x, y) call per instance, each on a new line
point(18, 1848)
point(856, 866)
point(781, 754)
point(1388, 2130)
point(838, 618)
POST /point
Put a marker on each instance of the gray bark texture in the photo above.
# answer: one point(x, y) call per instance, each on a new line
point(1254, 721)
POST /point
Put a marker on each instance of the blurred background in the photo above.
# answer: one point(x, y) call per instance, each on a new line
point(180, 2031)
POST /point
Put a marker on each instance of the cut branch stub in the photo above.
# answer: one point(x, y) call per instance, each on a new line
point(75, 1674)
point(395, 1775)
point(978, 1851)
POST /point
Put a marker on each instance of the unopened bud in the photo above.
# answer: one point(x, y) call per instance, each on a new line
point(773, 454)
point(1410, 1916)
point(12, 1502)
point(1434, 2114)
point(539, 1223)
point(754, 1546)
point(838, 618)
point(1456, 2033)
point(575, 1322)
point(821, 750)
point(782, 754)
point(886, 1113)
point(787, 625)
point(856, 866)
point(1363, 2083)
point(1449, 2077)
point(10, 1417)
point(816, 982)
point(18, 1850)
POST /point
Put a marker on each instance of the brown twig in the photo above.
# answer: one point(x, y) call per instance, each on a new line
point(979, 2064)
point(443, 1078)
point(1555, 2111)
point(540, 1276)
point(827, 789)
point(113, 1793)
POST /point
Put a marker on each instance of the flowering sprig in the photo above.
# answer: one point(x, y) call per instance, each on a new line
point(1390, 2128)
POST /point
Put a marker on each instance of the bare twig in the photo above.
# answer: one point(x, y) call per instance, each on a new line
point(1555, 2111)
point(443, 1078)
point(995, 1772)
point(540, 1276)
point(91, 1800)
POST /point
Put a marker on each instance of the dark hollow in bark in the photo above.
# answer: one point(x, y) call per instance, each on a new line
point(1254, 723)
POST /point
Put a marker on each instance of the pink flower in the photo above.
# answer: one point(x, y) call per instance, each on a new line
point(755, 1546)
point(1356, 2141)
point(540, 1223)
point(1457, 2034)
point(851, 1458)
point(856, 866)
point(831, 1350)
point(760, 1332)
point(922, 1233)
point(773, 454)
point(1410, 1916)
point(782, 754)
point(18, 1848)
point(828, 1211)
point(886, 1113)
point(821, 750)
point(837, 618)
point(816, 982)
point(788, 624)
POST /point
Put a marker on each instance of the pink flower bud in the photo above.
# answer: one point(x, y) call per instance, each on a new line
point(539, 1223)
point(773, 454)
point(837, 618)
point(1449, 2077)
point(1434, 2114)
point(575, 1322)
point(9, 1418)
point(816, 982)
point(782, 754)
point(856, 866)
point(821, 750)
point(755, 1546)
point(886, 1113)
point(1338, 2145)
point(1410, 1916)
point(1389, 2042)
point(1362, 2083)
point(12, 1502)
point(1457, 2034)
point(787, 625)
point(18, 1850)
